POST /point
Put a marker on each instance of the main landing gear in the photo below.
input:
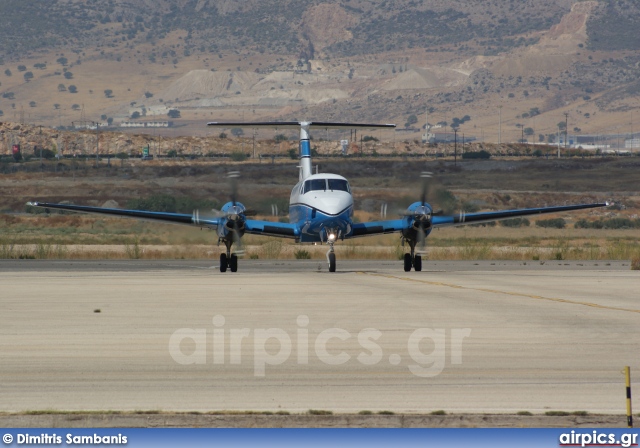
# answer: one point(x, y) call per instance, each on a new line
point(412, 260)
point(228, 260)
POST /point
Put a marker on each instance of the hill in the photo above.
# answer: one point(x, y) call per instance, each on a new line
point(65, 60)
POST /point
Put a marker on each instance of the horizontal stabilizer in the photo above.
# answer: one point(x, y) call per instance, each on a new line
point(297, 124)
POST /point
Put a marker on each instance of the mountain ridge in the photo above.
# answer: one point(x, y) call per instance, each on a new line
point(355, 60)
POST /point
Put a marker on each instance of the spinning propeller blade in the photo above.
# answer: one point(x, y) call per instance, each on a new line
point(423, 219)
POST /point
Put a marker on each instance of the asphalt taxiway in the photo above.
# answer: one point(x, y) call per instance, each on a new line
point(287, 335)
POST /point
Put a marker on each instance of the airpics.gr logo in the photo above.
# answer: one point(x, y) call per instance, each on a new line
point(426, 347)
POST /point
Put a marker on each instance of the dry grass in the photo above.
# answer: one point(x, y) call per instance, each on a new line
point(90, 237)
point(282, 250)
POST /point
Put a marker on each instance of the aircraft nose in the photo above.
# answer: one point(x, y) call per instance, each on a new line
point(335, 203)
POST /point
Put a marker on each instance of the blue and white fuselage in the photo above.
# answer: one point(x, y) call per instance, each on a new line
point(321, 205)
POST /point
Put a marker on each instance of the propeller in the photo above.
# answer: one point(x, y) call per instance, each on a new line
point(233, 214)
point(235, 211)
point(424, 218)
point(422, 214)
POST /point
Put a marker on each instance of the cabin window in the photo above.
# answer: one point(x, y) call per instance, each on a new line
point(315, 185)
point(338, 185)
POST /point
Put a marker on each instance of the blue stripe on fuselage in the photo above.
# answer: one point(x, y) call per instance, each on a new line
point(313, 224)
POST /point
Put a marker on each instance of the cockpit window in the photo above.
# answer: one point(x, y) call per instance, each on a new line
point(338, 185)
point(315, 185)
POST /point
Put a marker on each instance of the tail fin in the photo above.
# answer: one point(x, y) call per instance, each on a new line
point(304, 126)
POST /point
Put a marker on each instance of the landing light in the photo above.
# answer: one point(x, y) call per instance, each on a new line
point(332, 237)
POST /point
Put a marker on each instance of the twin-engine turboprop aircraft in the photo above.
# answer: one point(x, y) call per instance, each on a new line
point(320, 209)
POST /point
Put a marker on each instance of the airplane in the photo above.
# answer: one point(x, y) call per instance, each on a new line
point(320, 208)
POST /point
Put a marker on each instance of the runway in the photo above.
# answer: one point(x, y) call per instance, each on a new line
point(287, 335)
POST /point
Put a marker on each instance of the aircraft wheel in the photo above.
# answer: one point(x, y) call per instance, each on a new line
point(332, 262)
point(407, 262)
point(417, 263)
point(233, 263)
point(223, 262)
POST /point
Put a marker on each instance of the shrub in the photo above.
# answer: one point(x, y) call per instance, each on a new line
point(155, 203)
point(515, 222)
point(319, 412)
point(635, 264)
point(238, 156)
point(302, 254)
point(612, 223)
point(482, 154)
point(555, 223)
point(556, 413)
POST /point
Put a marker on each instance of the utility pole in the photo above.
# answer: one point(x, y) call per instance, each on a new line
point(41, 166)
point(254, 143)
point(97, 143)
point(500, 126)
point(566, 129)
point(455, 146)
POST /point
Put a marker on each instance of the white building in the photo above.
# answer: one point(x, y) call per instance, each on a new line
point(632, 143)
point(146, 124)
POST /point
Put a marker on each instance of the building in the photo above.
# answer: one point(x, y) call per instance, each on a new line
point(146, 124)
point(632, 143)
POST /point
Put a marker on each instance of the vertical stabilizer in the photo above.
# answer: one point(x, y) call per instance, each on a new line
point(305, 151)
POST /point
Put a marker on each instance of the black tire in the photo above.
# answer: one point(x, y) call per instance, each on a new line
point(233, 263)
point(417, 263)
point(407, 262)
point(332, 262)
point(223, 262)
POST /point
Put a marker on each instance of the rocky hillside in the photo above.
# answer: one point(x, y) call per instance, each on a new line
point(339, 28)
point(68, 60)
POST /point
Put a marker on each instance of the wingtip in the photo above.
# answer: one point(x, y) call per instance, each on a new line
point(609, 203)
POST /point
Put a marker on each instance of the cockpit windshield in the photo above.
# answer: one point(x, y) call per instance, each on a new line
point(338, 185)
point(326, 185)
point(315, 185)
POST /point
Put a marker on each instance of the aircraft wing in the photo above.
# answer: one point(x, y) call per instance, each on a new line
point(268, 228)
point(175, 218)
point(377, 227)
point(476, 218)
point(398, 225)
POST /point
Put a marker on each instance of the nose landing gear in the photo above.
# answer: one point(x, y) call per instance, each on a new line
point(332, 235)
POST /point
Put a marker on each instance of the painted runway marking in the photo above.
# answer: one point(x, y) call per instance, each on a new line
point(509, 293)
